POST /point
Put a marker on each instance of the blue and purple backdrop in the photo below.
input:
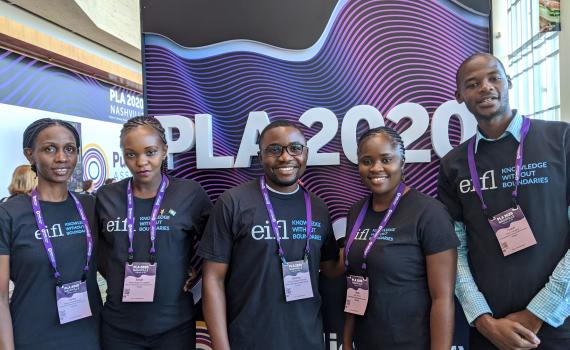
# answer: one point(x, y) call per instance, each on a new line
point(335, 67)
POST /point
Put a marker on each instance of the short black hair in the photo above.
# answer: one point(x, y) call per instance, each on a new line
point(471, 58)
point(391, 134)
point(276, 124)
point(33, 130)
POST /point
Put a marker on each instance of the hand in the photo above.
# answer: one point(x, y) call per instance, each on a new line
point(527, 319)
point(506, 334)
point(190, 280)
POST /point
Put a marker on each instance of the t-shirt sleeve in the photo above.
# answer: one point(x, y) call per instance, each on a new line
point(5, 233)
point(330, 248)
point(446, 193)
point(217, 242)
point(436, 232)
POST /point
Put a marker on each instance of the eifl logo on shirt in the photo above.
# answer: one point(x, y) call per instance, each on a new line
point(366, 234)
point(120, 224)
point(295, 229)
point(68, 229)
point(531, 174)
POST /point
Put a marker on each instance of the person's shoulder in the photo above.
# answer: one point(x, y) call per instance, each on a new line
point(356, 206)
point(85, 199)
point(424, 204)
point(552, 127)
point(556, 124)
point(181, 185)
point(456, 153)
point(16, 203)
point(422, 200)
point(245, 189)
point(113, 188)
point(317, 200)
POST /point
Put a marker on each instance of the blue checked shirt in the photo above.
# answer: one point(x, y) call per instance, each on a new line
point(551, 304)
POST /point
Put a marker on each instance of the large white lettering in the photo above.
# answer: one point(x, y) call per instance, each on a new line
point(201, 132)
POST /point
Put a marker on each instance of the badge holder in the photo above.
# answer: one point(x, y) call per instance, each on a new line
point(357, 292)
point(512, 230)
point(297, 279)
point(72, 300)
point(140, 281)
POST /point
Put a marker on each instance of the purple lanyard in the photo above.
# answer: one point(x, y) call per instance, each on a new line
point(47, 241)
point(383, 224)
point(273, 219)
point(518, 166)
point(153, 216)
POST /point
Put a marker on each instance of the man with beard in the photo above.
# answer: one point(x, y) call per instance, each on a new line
point(507, 190)
point(263, 247)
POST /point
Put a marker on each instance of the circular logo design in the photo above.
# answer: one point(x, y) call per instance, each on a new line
point(203, 341)
point(95, 165)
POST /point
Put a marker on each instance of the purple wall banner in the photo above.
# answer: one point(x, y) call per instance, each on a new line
point(216, 76)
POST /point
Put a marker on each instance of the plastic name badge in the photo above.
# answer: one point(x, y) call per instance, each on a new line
point(356, 295)
point(72, 301)
point(512, 230)
point(297, 280)
point(140, 280)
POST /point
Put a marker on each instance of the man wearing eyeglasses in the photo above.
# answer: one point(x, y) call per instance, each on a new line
point(263, 247)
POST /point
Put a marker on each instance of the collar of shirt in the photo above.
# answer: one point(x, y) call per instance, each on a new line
point(514, 129)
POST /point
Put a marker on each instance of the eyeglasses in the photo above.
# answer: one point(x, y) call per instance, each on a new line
point(294, 149)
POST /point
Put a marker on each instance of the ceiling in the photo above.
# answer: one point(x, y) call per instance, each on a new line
point(114, 24)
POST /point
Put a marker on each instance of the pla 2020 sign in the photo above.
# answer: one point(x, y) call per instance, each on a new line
point(215, 75)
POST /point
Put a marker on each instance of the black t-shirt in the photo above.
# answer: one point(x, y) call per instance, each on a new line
point(398, 311)
point(180, 223)
point(239, 234)
point(33, 306)
point(509, 283)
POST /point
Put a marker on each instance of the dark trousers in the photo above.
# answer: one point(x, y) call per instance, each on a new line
point(479, 342)
point(181, 337)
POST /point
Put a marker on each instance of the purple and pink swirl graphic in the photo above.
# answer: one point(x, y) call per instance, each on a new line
point(377, 53)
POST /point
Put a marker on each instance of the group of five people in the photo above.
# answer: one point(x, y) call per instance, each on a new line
point(508, 239)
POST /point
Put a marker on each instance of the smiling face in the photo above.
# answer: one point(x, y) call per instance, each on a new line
point(380, 165)
point(144, 151)
point(282, 172)
point(54, 154)
point(484, 87)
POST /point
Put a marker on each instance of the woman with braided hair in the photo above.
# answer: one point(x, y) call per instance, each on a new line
point(47, 247)
point(149, 225)
point(400, 257)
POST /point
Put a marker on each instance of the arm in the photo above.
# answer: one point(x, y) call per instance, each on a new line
point(348, 333)
point(441, 275)
point(504, 333)
point(214, 300)
point(6, 334)
point(466, 290)
point(471, 299)
point(551, 304)
point(332, 256)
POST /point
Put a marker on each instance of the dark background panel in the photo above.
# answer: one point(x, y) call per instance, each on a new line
point(291, 24)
